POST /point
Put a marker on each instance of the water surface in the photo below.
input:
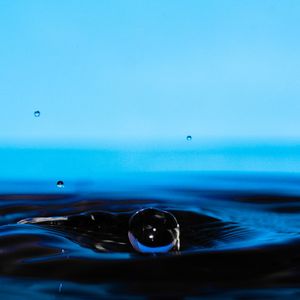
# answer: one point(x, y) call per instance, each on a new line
point(239, 235)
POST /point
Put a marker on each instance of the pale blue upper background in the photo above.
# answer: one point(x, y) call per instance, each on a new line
point(114, 71)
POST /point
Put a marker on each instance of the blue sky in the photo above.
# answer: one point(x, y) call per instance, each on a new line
point(114, 71)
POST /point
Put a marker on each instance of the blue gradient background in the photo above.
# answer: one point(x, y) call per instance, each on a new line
point(116, 71)
point(131, 74)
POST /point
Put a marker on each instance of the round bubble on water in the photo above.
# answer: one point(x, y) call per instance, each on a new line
point(189, 137)
point(60, 184)
point(153, 230)
point(37, 113)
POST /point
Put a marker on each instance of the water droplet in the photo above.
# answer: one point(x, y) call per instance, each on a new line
point(189, 137)
point(60, 287)
point(60, 184)
point(153, 230)
point(37, 113)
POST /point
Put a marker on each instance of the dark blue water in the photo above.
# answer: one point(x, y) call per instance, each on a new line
point(239, 238)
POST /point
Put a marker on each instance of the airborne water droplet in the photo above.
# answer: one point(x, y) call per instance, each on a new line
point(37, 113)
point(60, 184)
point(189, 137)
point(153, 231)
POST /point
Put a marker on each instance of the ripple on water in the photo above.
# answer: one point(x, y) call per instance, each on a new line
point(244, 234)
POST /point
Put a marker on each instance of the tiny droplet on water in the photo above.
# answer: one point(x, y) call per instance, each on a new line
point(189, 137)
point(60, 184)
point(154, 230)
point(37, 113)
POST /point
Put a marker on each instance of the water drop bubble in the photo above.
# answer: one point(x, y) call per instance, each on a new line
point(37, 113)
point(189, 137)
point(60, 184)
point(153, 230)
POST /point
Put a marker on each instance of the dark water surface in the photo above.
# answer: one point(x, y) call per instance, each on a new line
point(239, 238)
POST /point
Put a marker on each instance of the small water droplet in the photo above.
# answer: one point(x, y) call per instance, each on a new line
point(37, 113)
point(60, 287)
point(153, 231)
point(189, 137)
point(62, 251)
point(60, 184)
